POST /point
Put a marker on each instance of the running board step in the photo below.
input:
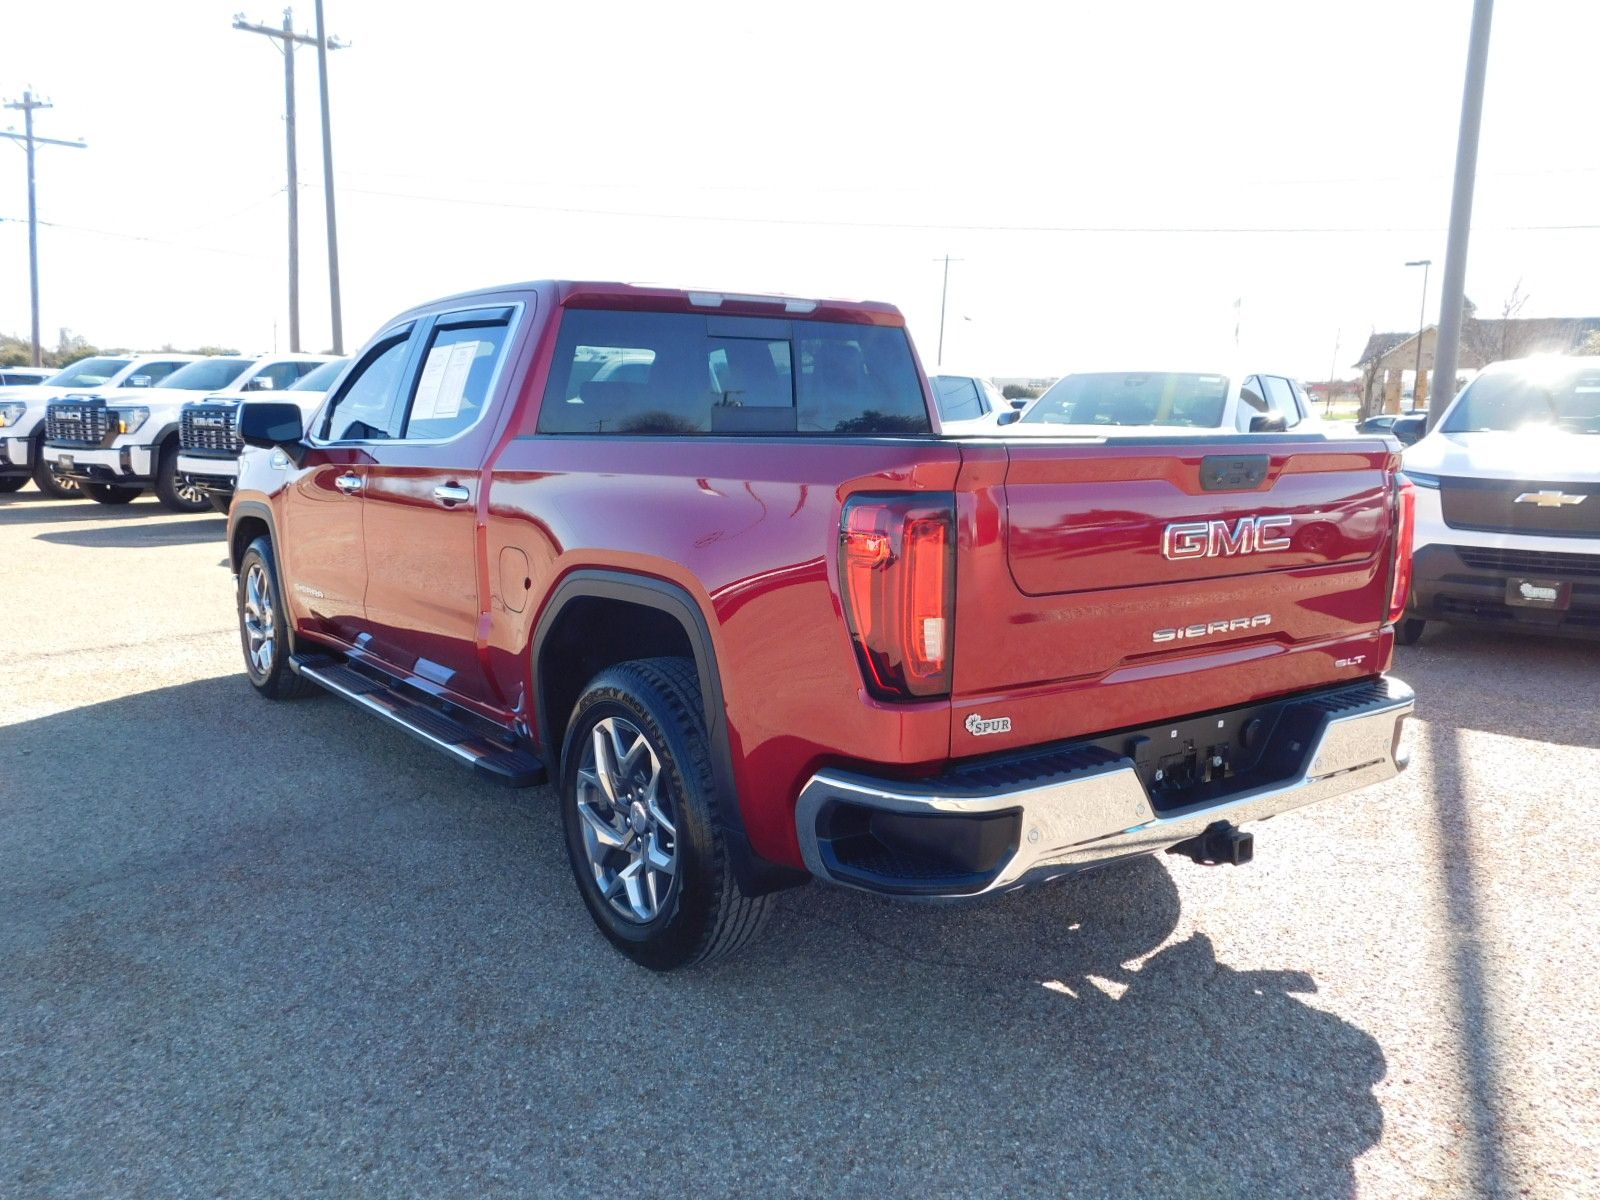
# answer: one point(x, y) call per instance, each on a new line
point(513, 768)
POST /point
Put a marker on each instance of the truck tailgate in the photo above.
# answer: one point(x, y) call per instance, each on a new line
point(1112, 585)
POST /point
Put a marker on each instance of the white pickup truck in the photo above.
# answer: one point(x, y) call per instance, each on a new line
point(116, 450)
point(1508, 503)
point(22, 411)
point(208, 436)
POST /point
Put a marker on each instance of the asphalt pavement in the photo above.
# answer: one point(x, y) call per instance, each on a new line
point(259, 950)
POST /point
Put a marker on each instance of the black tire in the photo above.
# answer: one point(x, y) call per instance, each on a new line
point(12, 483)
point(45, 479)
point(174, 494)
point(272, 678)
point(703, 914)
point(1409, 631)
point(110, 493)
point(220, 501)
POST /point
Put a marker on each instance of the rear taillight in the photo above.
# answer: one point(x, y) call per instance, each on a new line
point(897, 572)
point(1405, 525)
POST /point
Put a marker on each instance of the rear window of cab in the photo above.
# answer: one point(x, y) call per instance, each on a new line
point(687, 374)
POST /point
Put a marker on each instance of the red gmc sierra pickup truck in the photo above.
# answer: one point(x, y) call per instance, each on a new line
point(704, 562)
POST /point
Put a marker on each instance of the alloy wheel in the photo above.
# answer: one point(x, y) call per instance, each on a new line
point(261, 641)
point(628, 833)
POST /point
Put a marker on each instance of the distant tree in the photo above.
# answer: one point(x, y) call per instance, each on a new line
point(205, 351)
point(1590, 344)
point(1018, 391)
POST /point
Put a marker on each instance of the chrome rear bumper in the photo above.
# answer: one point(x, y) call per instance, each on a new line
point(1093, 807)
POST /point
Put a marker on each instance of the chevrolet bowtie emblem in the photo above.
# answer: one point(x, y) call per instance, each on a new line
point(1549, 498)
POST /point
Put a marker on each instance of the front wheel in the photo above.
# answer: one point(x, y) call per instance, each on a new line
point(48, 482)
point(637, 797)
point(174, 491)
point(264, 626)
point(110, 493)
point(1409, 631)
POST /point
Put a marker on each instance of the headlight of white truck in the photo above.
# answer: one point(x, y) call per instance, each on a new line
point(10, 414)
point(129, 419)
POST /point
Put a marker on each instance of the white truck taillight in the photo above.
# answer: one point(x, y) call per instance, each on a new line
point(897, 573)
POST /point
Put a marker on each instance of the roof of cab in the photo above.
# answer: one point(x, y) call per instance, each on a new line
point(568, 293)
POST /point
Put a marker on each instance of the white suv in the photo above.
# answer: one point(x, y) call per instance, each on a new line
point(1508, 502)
point(115, 450)
point(22, 411)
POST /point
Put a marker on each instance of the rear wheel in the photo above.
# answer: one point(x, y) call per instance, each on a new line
point(12, 483)
point(637, 800)
point(1409, 631)
point(263, 626)
point(48, 482)
point(110, 493)
point(175, 492)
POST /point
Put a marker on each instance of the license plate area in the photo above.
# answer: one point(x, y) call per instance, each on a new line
point(65, 462)
point(1538, 593)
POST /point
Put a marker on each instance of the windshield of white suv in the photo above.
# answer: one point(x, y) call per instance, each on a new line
point(1132, 398)
point(207, 375)
point(1501, 402)
point(88, 372)
point(321, 379)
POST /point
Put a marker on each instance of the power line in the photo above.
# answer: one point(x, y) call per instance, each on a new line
point(27, 105)
point(941, 227)
point(138, 237)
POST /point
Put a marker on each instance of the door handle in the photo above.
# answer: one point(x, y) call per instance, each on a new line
point(349, 483)
point(451, 493)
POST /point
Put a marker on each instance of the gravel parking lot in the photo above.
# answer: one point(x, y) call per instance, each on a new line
point(278, 950)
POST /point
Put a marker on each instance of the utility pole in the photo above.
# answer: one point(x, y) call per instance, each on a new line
point(1455, 259)
point(327, 184)
point(1327, 405)
point(1422, 325)
point(27, 104)
point(287, 39)
point(944, 295)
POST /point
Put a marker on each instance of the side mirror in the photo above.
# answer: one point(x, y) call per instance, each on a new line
point(1008, 418)
point(273, 425)
point(137, 381)
point(1275, 424)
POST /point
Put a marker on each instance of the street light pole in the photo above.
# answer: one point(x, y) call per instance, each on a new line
point(1422, 324)
point(27, 137)
point(1453, 290)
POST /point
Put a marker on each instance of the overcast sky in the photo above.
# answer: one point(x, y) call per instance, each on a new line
point(1111, 176)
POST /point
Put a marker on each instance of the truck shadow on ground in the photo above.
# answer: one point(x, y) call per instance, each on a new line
point(272, 947)
point(29, 507)
point(165, 533)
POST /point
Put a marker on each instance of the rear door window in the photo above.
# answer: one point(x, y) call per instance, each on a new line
point(687, 374)
point(1280, 398)
point(452, 387)
point(957, 397)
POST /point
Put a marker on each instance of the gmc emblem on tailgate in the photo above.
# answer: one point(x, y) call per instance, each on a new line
point(1217, 539)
